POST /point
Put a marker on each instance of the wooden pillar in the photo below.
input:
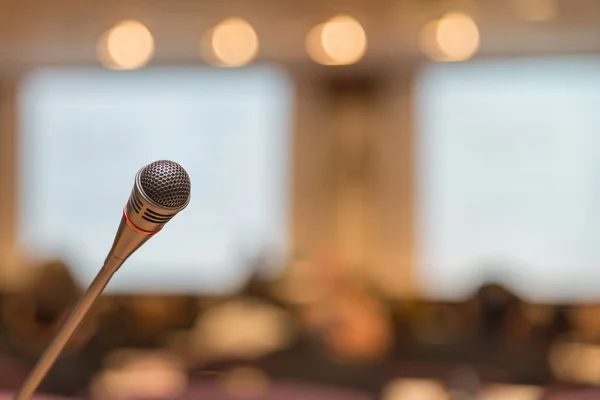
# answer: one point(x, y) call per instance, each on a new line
point(9, 87)
point(353, 173)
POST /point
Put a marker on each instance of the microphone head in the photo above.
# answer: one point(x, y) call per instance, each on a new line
point(161, 190)
point(165, 183)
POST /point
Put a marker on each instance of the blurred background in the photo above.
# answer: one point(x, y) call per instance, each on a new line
point(392, 199)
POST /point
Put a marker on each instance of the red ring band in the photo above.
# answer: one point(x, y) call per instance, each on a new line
point(135, 228)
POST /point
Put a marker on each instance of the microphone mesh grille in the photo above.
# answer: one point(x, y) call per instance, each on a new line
point(166, 183)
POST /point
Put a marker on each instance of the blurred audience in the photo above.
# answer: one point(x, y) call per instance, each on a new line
point(318, 314)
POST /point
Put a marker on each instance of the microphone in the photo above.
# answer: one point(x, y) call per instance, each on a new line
point(160, 191)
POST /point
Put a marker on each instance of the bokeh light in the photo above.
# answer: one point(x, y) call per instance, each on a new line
point(414, 389)
point(340, 41)
point(454, 37)
point(128, 45)
point(232, 43)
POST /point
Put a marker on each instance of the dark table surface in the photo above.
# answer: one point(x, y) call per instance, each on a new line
point(209, 391)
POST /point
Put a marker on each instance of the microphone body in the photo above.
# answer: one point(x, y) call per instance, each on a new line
point(161, 190)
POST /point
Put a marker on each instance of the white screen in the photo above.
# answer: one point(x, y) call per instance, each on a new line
point(86, 132)
point(509, 176)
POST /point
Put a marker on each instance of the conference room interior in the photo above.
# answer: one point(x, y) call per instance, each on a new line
point(391, 199)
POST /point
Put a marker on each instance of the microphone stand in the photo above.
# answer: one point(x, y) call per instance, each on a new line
point(160, 176)
point(54, 349)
